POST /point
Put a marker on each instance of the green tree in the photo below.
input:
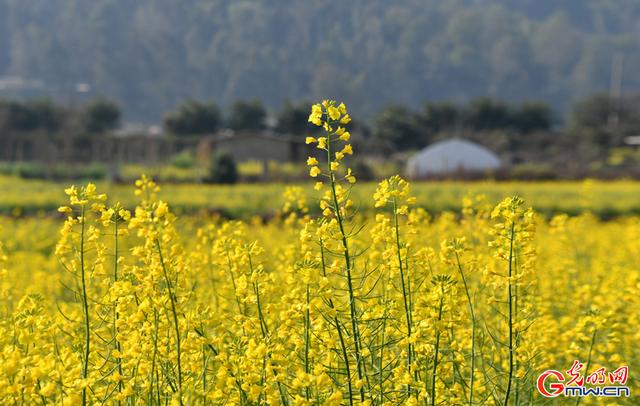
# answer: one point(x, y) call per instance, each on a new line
point(15, 117)
point(100, 116)
point(293, 119)
point(485, 114)
point(605, 122)
point(39, 115)
point(591, 113)
point(532, 116)
point(193, 118)
point(49, 117)
point(398, 127)
point(437, 117)
point(247, 115)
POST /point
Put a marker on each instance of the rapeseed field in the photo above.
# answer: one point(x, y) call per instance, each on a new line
point(325, 304)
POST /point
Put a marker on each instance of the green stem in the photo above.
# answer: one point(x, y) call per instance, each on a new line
point(343, 347)
point(437, 348)
point(85, 305)
point(155, 352)
point(204, 374)
point(174, 312)
point(265, 336)
point(382, 344)
point(307, 328)
point(115, 310)
point(233, 281)
point(407, 310)
point(473, 329)
point(510, 301)
point(593, 341)
point(347, 258)
point(263, 323)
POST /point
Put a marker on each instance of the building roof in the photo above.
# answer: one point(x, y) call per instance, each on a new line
point(452, 155)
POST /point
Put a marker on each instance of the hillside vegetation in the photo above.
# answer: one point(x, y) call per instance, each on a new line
point(151, 55)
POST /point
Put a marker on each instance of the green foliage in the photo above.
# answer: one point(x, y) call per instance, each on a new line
point(624, 157)
point(592, 112)
point(604, 122)
point(184, 160)
point(100, 116)
point(44, 116)
point(31, 170)
point(193, 118)
point(293, 119)
point(247, 115)
point(440, 117)
point(223, 169)
point(48, 117)
point(399, 128)
point(35, 115)
point(15, 117)
point(532, 116)
point(402, 51)
point(403, 129)
point(533, 171)
point(485, 114)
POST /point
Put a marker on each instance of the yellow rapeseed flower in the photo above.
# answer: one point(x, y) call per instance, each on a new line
point(314, 171)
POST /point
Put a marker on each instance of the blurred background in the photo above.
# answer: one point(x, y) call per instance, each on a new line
point(212, 91)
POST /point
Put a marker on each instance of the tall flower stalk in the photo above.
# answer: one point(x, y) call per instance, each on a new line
point(83, 200)
point(85, 305)
point(113, 217)
point(395, 192)
point(473, 328)
point(512, 233)
point(335, 204)
point(441, 288)
point(451, 250)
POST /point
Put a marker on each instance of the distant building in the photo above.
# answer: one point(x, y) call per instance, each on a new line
point(449, 156)
point(260, 146)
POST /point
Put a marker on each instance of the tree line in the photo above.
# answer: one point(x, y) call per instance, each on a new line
point(528, 131)
point(43, 116)
point(591, 140)
point(596, 120)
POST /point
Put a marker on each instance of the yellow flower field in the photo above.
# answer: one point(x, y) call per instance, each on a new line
point(388, 306)
point(603, 198)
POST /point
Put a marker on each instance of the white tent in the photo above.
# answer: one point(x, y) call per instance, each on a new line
point(451, 155)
